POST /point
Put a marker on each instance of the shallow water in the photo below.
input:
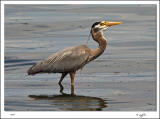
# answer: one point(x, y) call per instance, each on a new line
point(123, 78)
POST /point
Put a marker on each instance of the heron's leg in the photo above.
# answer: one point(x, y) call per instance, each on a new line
point(72, 89)
point(72, 75)
point(62, 77)
point(61, 88)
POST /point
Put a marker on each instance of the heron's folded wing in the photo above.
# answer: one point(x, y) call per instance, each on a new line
point(67, 60)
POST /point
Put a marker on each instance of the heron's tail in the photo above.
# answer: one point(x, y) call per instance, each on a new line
point(32, 71)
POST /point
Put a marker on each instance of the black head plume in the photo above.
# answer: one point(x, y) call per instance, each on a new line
point(96, 23)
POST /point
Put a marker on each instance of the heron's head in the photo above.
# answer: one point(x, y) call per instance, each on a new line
point(103, 25)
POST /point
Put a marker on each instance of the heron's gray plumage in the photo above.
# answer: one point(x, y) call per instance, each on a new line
point(67, 60)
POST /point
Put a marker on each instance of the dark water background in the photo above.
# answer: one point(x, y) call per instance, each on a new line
point(122, 79)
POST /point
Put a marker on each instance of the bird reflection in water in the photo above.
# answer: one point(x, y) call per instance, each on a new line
point(72, 102)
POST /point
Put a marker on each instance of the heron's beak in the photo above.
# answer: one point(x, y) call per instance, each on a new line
point(108, 23)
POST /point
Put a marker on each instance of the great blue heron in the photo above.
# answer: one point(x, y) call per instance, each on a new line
point(71, 59)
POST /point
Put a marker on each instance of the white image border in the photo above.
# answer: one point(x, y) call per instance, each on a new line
point(76, 114)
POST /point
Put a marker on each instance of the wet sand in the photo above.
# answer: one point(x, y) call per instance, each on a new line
point(123, 78)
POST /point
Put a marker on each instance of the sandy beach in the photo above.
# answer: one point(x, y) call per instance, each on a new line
point(123, 78)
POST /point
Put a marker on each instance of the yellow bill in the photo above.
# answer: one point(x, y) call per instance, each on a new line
point(108, 23)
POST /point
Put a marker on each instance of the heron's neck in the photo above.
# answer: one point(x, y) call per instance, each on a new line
point(99, 38)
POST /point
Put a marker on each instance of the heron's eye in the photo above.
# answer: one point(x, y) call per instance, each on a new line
point(102, 24)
